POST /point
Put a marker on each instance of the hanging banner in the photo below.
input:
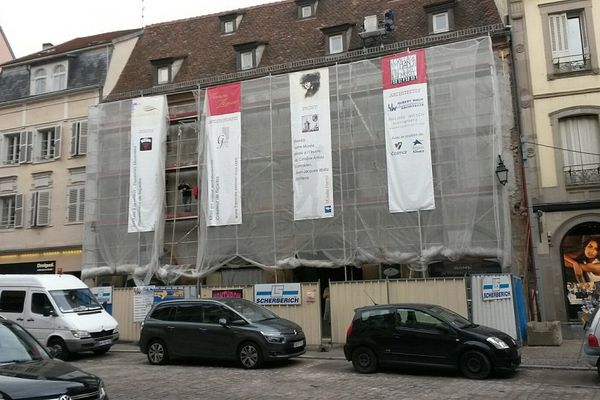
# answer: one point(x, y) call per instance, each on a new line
point(311, 144)
point(224, 149)
point(407, 139)
point(147, 163)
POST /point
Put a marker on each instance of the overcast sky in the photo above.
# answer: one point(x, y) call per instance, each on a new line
point(29, 23)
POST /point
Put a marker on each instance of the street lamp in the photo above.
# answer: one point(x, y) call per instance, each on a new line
point(501, 171)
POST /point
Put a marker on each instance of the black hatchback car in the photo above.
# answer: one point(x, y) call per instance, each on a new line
point(27, 371)
point(424, 335)
point(227, 329)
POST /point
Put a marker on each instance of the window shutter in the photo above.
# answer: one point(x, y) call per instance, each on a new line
point(83, 128)
point(29, 155)
point(33, 208)
point(558, 35)
point(43, 209)
point(73, 149)
point(57, 142)
point(23, 148)
point(19, 211)
point(81, 205)
point(37, 147)
point(584, 34)
point(72, 195)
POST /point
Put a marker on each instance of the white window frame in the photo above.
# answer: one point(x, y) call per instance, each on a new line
point(75, 205)
point(306, 11)
point(336, 43)
point(39, 81)
point(59, 77)
point(47, 144)
point(14, 219)
point(246, 60)
point(229, 26)
point(40, 208)
point(443, 17)
point(49, 78)
point(78, 138)
point(11, 147)
point(163, 74)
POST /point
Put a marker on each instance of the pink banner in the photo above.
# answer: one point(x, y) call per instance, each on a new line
point(224, 99)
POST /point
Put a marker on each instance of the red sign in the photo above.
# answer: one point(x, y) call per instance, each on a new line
point(224, 99)
point(404, 69)
point(228, 293)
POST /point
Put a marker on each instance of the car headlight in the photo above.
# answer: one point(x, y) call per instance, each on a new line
point(116, 330)
point(273, 337)
point(101, 391)
point(81, 334)
point(497, 343)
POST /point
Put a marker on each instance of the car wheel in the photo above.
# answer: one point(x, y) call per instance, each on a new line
point(99, 352)
point(61, 351)
point(475, 365)
point(157, 352)
point(249, 355)
point(364, 360)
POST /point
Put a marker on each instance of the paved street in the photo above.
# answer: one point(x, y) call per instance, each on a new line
point(129, 376)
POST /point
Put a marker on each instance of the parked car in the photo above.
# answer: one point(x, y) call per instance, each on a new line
point(58, 310)
point(27, 371)
point(424, 335)
point(591, 345)
point(228, 329)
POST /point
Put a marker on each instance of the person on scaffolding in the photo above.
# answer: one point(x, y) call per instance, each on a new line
point(186, 196)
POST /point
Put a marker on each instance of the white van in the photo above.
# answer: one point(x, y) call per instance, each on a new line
point(60, 311)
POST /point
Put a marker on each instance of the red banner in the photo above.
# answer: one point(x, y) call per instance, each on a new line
point(224, 99)
point(404, 69)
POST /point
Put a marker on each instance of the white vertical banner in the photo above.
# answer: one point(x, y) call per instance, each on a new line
point(407, 136)
point(149, 126)
point(311, 144)
point(224, 155)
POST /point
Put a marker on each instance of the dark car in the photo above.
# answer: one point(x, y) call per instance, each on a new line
point(423, 335)
point(227, 329)
point(27, 371)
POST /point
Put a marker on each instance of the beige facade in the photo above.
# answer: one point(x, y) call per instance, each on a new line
point(556, 46)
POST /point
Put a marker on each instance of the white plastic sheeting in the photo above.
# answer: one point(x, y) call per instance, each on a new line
point(469, 99)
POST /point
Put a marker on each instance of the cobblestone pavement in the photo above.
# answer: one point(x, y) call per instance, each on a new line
point(129, 376)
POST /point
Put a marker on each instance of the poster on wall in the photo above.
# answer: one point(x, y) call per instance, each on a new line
point(228, 293)
point(223, 154)
point(311, 144)
point(277, 294)
point(407, 136)
point(581, 267)
point(147, 166)
point(143, 299)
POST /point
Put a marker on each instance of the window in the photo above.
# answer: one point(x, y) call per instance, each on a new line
point(228, 26)
point(336, 44)
point(162, 313)
point(12, 146)
point(59, 77)
point(48, 78)
point(580, 137)
point(415, 319)
point(247, 60)
point(12, 301)
point(569, 38)
point(75, 204)
point(78, 138)
point(40, 208)
point(39, 81)
point(306, 8)
point(230, 23)
point(189, 313)
point(40, 303)
point(47, 144)
point(306, 11)
point(440, 22)
point(11, 211)
point(163, 75)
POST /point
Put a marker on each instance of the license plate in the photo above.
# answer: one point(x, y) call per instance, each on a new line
point(298, 344)
point(104, 342)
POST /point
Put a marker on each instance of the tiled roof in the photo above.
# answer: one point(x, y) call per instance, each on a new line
point(73, 45)
point(208, 52)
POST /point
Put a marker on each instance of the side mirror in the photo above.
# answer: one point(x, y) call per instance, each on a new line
point(49, 311)
point(443, 328)
point(223, 322)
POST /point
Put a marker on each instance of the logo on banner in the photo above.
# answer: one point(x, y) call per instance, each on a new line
point(418, 146)
point(328, 209)
point(145, 144)
point(398, 145)
point(404, 69)
point(310, 123)
point(223, 138)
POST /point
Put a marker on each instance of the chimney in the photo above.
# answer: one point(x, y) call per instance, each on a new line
point(46, 45)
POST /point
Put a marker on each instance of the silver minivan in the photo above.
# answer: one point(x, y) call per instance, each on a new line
point(591, 341)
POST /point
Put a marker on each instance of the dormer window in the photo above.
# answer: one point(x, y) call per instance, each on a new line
point(165, 69)
point(249, 55)
point(440, 16)
point(306, 8)
point(338, 38)
point(48, 78)
point(163, 74)
point(230, 23)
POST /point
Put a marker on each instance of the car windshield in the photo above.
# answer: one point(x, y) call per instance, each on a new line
point(251, 311)
point(16, 345)
point(75, 300)
point(450, 316)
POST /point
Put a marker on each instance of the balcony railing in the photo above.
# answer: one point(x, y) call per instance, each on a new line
point(573, 63)
point(584, 174)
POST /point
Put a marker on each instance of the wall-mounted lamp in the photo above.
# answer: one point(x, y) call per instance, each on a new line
point(501, 171)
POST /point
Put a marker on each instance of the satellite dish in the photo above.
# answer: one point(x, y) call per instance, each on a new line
point(390, 271)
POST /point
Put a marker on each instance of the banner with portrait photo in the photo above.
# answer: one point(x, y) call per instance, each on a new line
point(311, 144)
point(223, 155)
point(581, 267)
point(149, 124)
point(408, 143)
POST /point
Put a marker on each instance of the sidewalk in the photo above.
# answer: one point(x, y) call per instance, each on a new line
point(565, 356)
